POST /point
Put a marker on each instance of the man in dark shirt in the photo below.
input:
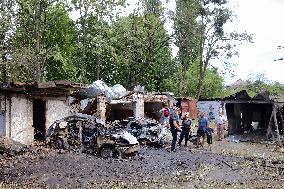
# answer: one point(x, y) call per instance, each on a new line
point(174, 127)
point(185, 129)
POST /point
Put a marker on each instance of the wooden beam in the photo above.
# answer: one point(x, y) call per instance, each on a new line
point(276, 125)
point(269, 127)
point(281, 121)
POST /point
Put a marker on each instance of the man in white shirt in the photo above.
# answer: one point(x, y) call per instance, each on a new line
point(220, 121)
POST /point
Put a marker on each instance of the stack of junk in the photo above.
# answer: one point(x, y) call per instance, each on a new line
point(86, 132)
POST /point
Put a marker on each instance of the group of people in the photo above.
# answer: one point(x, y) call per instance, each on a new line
point(176, 124)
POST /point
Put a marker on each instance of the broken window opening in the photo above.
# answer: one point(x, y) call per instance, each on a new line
point(120, 111)
point(153, 110)
point(39, 119)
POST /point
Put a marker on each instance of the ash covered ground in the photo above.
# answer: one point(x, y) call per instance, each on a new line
point(228, 165)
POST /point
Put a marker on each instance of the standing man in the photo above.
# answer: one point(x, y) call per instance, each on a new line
point(185, 129)
point(220, 120)
point(202, 125)
point(174, 127)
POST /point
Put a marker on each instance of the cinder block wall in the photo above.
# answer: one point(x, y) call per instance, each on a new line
point(55, 110)
point(19, 119)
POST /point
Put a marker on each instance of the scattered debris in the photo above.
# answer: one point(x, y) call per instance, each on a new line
point(10, 147)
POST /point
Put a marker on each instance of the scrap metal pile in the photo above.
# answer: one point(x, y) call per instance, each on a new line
point(115, 139)
point(148, 131)
point(84, 133)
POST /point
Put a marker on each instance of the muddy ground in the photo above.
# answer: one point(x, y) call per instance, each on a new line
point(228, 165)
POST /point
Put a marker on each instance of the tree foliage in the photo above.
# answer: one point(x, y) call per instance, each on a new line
point(40, 40)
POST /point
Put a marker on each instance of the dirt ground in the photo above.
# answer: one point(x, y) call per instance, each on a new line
point(228, 165)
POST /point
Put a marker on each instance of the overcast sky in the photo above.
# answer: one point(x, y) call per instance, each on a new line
point(263, 19)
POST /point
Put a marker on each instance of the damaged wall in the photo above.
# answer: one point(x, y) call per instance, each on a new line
point(246, 117)
point(101, 108)
point(188, 105)
point(19, 119)
point(139, 106)
point(55, 110)
point(153, 110)
point(119, 110)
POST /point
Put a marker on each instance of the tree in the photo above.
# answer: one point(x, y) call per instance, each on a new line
point(213, 82)
point(185, 35)
point(200, 35)
point(94, 14)
point(7, 9)
point(30, 36)
point(61, 38)
point(213, 40)
point(143, 53)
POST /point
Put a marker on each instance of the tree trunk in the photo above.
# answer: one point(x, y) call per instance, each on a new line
point(37, 47)
point(98, 67)
point(83, 16)
point(4, 68)
point(200, 80)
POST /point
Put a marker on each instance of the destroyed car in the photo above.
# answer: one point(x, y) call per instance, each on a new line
point(148, 131)
point(84, 133)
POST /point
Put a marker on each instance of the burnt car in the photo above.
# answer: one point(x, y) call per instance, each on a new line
point(86, 134)
point(148, 131)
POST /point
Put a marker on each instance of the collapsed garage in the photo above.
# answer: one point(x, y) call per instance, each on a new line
point(262, 114)
point(28, 109)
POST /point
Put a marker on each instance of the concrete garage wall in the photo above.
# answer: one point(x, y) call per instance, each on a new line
point(55, 110)
point(21, 120)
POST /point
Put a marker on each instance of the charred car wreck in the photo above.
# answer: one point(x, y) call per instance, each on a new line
point(85, 133)
point(147, 131)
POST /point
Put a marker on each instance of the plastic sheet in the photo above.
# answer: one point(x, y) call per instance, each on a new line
point(100, 88)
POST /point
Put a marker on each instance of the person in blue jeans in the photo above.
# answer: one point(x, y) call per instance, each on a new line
point(174, 127)
point(202, 125)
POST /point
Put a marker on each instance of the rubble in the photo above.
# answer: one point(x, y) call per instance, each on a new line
point(11, 148)
point(148, 131)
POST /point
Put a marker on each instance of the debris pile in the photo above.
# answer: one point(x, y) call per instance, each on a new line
point(10, 147)
point(84, 133)
point(148, 131)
